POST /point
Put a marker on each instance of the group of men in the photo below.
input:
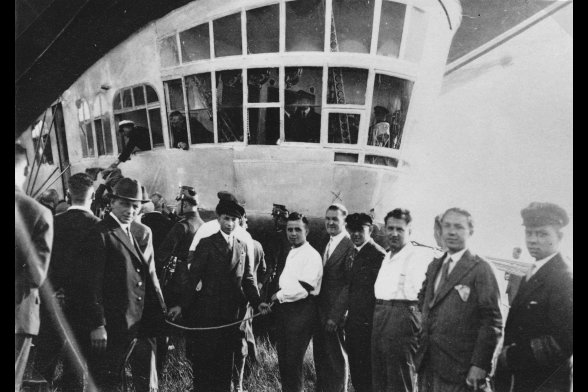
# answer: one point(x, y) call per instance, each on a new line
point(404, 319)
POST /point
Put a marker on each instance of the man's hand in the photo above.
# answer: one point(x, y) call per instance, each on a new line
point(476, 377)
point(98, 338)
point(174, 312)
point(330, 326)
point(182, 145)
point(264, 308)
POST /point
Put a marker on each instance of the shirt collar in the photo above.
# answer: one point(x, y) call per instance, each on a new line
point(457, 255)
point(83, 208)
point(338, 237)
point(540, 263)
point(124, 226)
point(226, 236)
point(359, 248)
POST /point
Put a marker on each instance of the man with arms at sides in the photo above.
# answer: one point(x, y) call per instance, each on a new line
point(330, 358)
point(397, 320)
point(299, 284)
point(70, 230)
point(539, 334)
point(221, 262)
point(33, 238)
point(121, 300)
point(363, 265)
point(462, 322)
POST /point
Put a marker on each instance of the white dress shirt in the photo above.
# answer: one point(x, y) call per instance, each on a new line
point(452, 259)
point(212, 227)
point(333, 243)
point(402, 274)
point(302, 264)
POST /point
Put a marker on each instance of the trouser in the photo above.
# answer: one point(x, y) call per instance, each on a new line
point(295, 326)
point(330, 359)
point(429, 381)
point(394, 342)
point(358, 341)
point(22, 347)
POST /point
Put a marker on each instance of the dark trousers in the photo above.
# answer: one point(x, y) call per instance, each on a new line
point(296, 321)
point(429, 381)
point(394, 342)
point(22, 348)
point(330, 359)
point(358, 341)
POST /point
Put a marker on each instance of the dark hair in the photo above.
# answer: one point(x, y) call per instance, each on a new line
point(463, 212)
point(176, 113)
point(338, 207)
point(296, 216)
point(78, 186)
point(20, 153)
point(399, 213)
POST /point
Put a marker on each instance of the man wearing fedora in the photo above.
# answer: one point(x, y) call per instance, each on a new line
point(539, 333)
point(122, 301)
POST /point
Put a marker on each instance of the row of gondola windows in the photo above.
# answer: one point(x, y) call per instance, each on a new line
point(351, 27)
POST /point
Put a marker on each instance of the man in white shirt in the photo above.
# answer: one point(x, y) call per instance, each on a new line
point(299, 284)
point(397, 320)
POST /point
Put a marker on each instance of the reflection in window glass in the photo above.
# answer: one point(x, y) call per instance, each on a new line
point(229, 95)
point(89, 138)
point(391, 24)
point(176, 97)
point(116, 103)
point(263, 29)
point(99, 137)
point(303, 94)
point(263, 85)
point(382, 161)
point(199, 94)
point(343, 128)
point(195, 43)
point(139, 96)
point(305, 25)
point(168, 51)
point(264, 125)
point(347, 86)
point(415, 39)
point(227, 36)
point(151, 94)
point(107, 134)
point(176, 114)
point(127, 100)
point(389, 108)
point(345, 157)
point(156, 130)
point(351, 26)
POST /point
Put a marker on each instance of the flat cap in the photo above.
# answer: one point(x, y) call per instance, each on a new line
point(280, 210)
point(228, 207)
point(188, 194)
point(357, 220)
point(225, 195)
point(540, 214)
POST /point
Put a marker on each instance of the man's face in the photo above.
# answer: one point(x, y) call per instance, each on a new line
point(334, 222)
point(398, 232)
point(542, 241)
point(228, 223)
point(126, 130)
point(359, 235)
point(297, 232)
point(176, 121)
point(125, 210)
point(156, 200)
point(455, 231)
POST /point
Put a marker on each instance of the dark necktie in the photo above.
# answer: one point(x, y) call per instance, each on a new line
point(444, 273)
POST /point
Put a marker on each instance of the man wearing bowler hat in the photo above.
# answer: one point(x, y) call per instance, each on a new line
point(122, 301)
point(539, 334)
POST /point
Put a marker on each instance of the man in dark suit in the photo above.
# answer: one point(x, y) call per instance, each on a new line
point(222, 263)
point(134, 136)
point(539, 334)
point(330, 358)
point(70, 230)
point(461, 319)
point(363, 264)
point(121, 301)
point(33, 238)
point(305, 123)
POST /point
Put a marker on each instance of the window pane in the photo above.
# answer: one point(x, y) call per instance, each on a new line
point(227, 36)
point(263, 29)
point(45, 149)
point(176, 117)
point(156, 129)
point(303, 94)
point(139, 96)
point(347, 86)
point(343, 128)
point(151, 94)
point(107, 134)
point(99, 137)
point(264, 125)
point(416, 35)
point(83, 140)
point(89, 138)
point(195, 43)
point(382, 161)
point(344, 157)
point(389, 108)
point(229, 91)
point(168, 51)
point(127, 100)
point(199, 94)
point(351, 26)
point(176, 97)
point(263, 85)
point(305, 25)
point(391, 24)
point(116, 103)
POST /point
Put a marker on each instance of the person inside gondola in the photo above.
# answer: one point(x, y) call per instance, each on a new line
point(134, 137)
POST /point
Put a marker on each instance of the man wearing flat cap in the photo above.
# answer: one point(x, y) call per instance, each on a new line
point(363, 265)
point(539, 335)
point(222, 264)
point(122, 299)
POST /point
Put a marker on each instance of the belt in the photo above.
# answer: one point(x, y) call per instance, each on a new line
point(394, 302)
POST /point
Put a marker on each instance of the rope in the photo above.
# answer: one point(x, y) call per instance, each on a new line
point(216, 327)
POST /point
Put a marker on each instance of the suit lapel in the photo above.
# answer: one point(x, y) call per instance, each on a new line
point(125, 240)
point(339, 251)
point(536, 281)
point(463, 266)
point(430, 289)
point(219, 242)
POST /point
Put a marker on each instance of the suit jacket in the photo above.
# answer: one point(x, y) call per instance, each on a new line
point(462, 324)
point(227, 283)
point(119, 276)
point(363, 274)
point(160, 226)
point(540, 323)
point(332, 299)
point(33, 238)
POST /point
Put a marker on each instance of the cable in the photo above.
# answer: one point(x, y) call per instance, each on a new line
point(216, 327)
point(446, 13)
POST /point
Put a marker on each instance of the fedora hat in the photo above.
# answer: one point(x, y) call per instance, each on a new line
point(129, 189)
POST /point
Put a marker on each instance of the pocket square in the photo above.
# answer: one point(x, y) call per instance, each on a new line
point(463, 291)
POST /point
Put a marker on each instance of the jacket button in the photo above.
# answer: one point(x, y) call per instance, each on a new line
point(139, 298)
point(139, 284)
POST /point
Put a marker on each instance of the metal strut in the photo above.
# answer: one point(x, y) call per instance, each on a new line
point(339, 88)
